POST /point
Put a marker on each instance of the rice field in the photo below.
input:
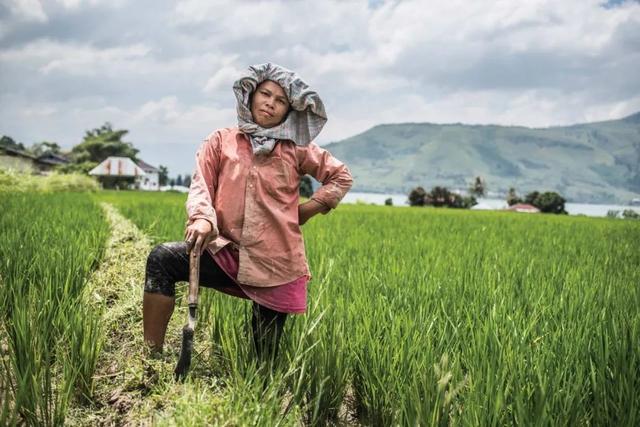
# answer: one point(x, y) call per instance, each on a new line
point(49, 331)
point(416, 317)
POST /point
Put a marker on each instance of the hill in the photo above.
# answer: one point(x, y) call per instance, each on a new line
point(591, 162)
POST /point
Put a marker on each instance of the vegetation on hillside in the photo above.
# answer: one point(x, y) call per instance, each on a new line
point(592, 162)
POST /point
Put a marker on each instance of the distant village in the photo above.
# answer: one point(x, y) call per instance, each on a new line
point(102, 154)
point(115, 164)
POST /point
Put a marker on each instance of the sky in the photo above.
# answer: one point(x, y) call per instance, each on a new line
point(164, 69)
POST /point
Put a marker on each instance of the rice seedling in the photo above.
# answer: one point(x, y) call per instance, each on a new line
point(49, 243)
point(537, 316)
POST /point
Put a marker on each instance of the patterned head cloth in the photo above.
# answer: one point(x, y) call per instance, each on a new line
point(304, 121)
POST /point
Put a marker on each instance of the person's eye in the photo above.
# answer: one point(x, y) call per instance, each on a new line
point(281, 102)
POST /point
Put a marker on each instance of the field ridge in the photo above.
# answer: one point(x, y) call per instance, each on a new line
point(121, 378)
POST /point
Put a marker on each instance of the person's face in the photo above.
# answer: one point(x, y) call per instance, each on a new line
point(269, 104)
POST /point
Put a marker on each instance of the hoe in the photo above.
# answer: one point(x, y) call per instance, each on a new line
point(187, 332)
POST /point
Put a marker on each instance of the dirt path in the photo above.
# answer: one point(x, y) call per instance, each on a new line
point(131, 387)
point(125, 374)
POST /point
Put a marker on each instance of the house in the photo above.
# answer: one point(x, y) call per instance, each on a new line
point(23, 162)
point(523, 207)
point(50, 160)
point(18, 161)
point(490, 205)
point(151, 180)
point(145, 176)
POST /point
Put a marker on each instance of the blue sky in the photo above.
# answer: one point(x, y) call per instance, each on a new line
point(164, 69)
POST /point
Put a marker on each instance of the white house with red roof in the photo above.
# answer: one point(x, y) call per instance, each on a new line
point(147, 177)
point(523, 207)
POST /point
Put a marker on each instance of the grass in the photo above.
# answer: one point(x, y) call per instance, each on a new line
point(427, 316)
point(49, 245)
point(416, 317)
point(13, 182)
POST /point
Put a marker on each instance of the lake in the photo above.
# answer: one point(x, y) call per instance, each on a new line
point(400, 200)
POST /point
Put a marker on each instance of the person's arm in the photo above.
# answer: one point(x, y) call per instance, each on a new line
point(332, 173)
point(202, 223)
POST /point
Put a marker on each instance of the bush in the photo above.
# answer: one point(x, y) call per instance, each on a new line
point(417, 197)
point(549, 202)
point(20, 182)
point(612, 213)
point(630, 214)
point(440, 196)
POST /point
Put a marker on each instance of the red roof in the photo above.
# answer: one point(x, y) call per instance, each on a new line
point(147, 167)
point(523, 207)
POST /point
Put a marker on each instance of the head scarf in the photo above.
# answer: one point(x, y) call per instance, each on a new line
point(304, 120)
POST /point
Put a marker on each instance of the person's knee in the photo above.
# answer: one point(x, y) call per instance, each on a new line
point(158, 278)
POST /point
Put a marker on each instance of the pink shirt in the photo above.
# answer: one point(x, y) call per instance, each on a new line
point(253, 200)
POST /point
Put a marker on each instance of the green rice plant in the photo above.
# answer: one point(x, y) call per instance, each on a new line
point(84, 339)
point(317, 350)
point(537, 316)
point(49, 244)
point(162, 216)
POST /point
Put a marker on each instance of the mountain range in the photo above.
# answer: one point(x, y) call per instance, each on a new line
point(591, 162)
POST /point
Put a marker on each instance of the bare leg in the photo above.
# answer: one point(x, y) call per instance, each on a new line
point(156, 312)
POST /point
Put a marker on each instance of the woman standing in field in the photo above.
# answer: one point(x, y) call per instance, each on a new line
point(243, 208)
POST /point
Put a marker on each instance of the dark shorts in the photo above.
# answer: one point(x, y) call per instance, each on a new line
point(168, 263)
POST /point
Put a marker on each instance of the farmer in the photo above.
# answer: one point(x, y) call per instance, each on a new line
point(243, 208)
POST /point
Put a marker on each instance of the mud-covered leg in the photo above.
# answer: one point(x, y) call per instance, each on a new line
point(167, 264)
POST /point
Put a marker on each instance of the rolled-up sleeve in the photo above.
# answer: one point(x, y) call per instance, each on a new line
point(204, 182)
point(334, 175)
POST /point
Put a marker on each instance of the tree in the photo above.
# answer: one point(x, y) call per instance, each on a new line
point(172, 182)
point(179, 180)
point(612, 213)
point(388, 202)
point(463, 202)
point(439, 196)
point(163, 175)
point(417, 197)
point(187, 180)
point(8, 142)
point(512, 197)
point(531, 198)
point(630, 214)
point(44, 147)
point(306, 187)
point(100, 143)
point(549, 202)
point(478, 188)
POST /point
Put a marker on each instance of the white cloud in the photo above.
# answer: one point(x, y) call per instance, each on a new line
point(27, 10)
point(75, 59)
point(167, 74)
point(170, 111)
point(76, 4)
point(221, 78)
